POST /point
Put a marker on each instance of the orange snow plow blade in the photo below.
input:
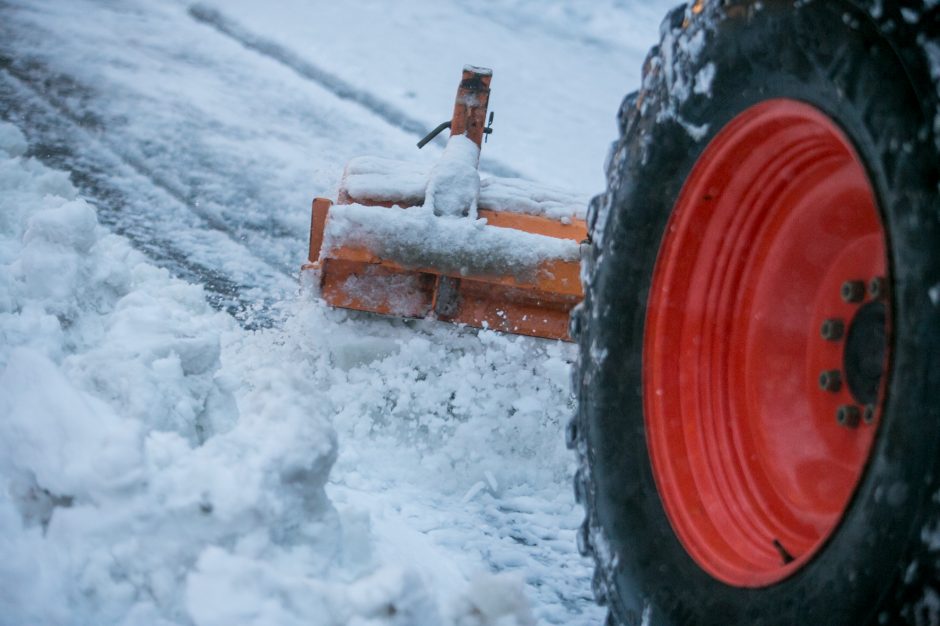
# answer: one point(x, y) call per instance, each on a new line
point(494, 253)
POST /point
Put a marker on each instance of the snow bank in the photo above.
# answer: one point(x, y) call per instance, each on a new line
point(158, 465)
point(128, 458)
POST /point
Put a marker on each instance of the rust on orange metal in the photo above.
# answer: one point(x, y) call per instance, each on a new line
point(473, 97)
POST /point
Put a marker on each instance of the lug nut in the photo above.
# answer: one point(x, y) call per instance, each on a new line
point(830, 380)
point(878, 287)
point(869, 414)
point(848, 415)
point(853, 290)
point(832, 329)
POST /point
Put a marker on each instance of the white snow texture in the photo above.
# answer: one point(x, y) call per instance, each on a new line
point(157, 466)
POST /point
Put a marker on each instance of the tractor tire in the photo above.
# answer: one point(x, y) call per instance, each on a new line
point(758, 424)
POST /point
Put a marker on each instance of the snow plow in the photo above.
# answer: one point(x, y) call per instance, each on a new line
point(758, 419)
point(492, 253)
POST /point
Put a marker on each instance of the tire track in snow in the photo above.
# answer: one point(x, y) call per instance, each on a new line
point(44, 84)
point(114, 185)
point(388, 112)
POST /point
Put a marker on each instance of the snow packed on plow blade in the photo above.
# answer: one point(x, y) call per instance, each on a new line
point(493, 253)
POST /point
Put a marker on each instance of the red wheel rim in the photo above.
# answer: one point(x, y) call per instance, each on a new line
point(754, 469)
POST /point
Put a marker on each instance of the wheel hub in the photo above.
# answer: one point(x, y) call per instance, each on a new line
point(865, 348)
point(763, 353)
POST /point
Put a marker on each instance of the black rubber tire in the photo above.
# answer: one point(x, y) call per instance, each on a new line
point(866, 69)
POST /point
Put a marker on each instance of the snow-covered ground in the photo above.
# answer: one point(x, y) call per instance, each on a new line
point(186, 440)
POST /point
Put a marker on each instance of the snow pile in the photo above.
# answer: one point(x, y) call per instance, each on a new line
point(123, 455)
point(158, 465)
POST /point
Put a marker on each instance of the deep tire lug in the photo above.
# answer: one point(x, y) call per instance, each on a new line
point(584, 539)
point(580, 485)
point(574, 324)
point(571, 433)
point(599, 587)
point(575, 379)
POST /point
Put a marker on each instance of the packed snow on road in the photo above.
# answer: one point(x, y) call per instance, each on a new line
point(186, 435)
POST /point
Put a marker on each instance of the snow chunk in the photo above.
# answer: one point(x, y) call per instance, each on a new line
point(228, 589)
point(703, 80)
point(71, 225)
point(496, 600)
point(12, 141)
point(66, 441)
point(416, 238)
point(454, 185)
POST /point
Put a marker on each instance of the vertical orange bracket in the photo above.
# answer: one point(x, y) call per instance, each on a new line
point(321, 208)
point(473, 97)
